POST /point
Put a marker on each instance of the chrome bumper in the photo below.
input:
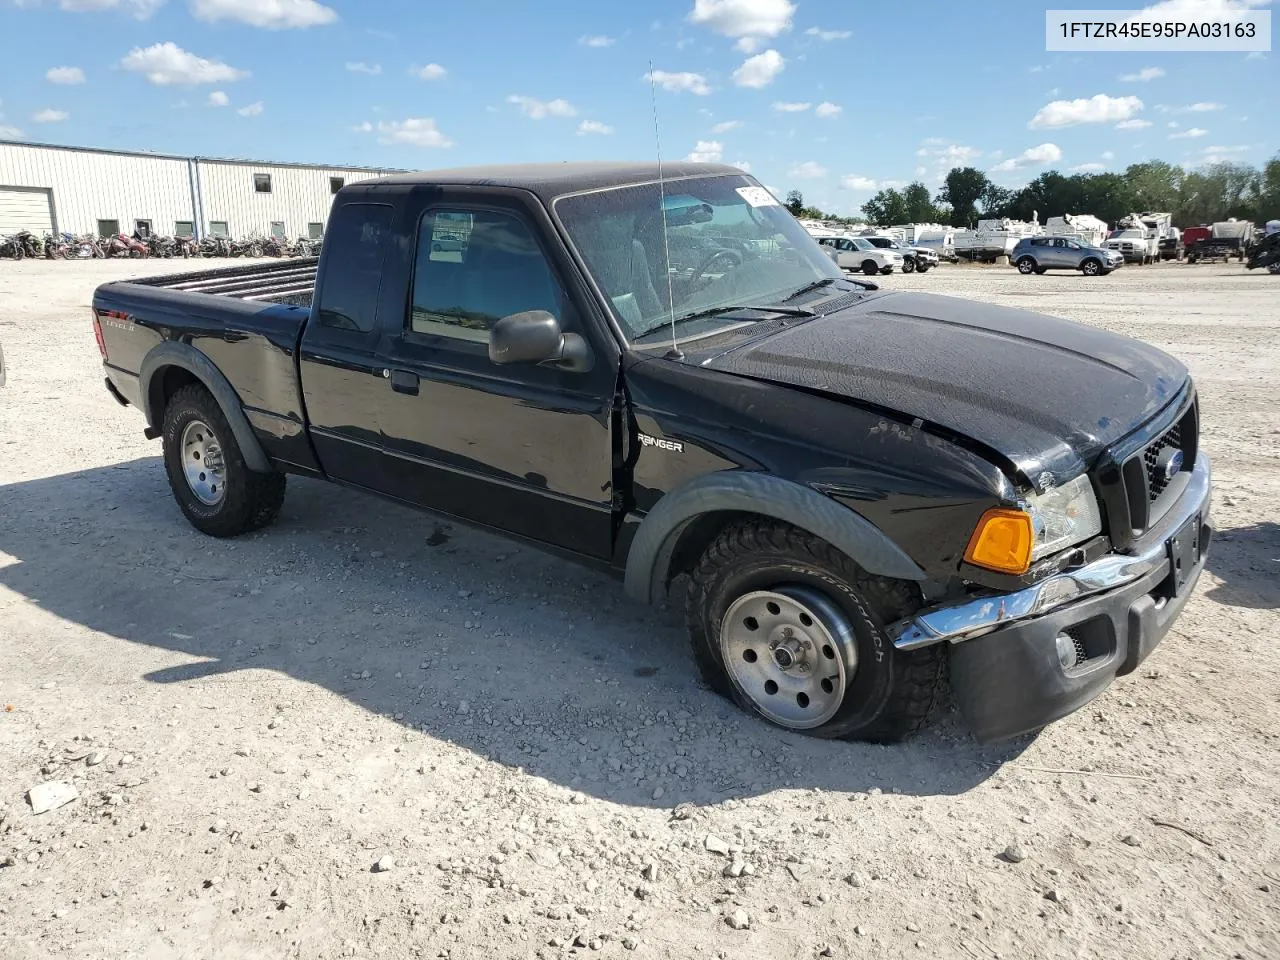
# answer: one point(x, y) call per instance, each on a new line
point(979, 616)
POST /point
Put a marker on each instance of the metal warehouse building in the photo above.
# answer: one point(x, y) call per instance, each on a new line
point(51, 189)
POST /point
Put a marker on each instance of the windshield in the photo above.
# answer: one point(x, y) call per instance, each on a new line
point(731, 244)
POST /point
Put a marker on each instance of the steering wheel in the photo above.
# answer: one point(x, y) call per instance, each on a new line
point(731, 258)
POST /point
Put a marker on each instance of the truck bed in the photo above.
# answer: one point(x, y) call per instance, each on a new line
point(290, 282)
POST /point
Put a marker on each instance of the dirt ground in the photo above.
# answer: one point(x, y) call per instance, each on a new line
point(254, 727)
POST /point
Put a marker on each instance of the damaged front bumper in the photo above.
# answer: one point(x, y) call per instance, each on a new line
point(1021, 660)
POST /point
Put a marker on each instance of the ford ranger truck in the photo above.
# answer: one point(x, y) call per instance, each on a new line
point(860, 493)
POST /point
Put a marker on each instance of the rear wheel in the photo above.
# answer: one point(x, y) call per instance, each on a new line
point(214, 487)
point(1027, 266)
point(792, 630)
point(870, 268)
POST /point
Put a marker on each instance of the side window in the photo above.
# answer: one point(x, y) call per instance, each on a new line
point(348, 295)
point(1039, 242)
point(474, 268)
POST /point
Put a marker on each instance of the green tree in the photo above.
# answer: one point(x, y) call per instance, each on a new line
point(886, 207)
point(795, 202)
point(1154, 185)
point(962, 190)
point(920, 205)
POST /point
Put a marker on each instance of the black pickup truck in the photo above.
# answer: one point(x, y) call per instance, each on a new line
point(860, 491)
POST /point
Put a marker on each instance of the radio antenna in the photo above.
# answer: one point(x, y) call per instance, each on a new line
point(674, 353)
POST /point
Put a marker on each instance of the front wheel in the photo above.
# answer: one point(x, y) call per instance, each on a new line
point(922, 268)
point(870, 268)
point(908, 265)
point(1091, 268)
point(792, 630)
point(1026, 266)
point(214, 487)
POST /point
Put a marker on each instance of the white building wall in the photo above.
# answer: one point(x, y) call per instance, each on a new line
point(92, 185)
point(299, 195)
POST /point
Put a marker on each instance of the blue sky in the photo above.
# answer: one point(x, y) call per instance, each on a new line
point(833, 97)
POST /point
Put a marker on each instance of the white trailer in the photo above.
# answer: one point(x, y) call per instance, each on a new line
point(1085, 228)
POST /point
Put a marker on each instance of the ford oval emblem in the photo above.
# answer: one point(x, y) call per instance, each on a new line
point(1173, 465)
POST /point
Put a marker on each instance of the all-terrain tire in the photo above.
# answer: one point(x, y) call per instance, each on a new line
point(250, 500)
point(890, 694)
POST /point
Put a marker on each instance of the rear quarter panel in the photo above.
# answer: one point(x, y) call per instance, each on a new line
point(252, 343)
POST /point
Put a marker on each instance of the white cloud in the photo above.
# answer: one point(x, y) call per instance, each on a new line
point(167, 64)
point(1096, 109)
point(1133, 124)
point(1089, 168)
point(68, 76)
point(268, 14)
point(373, 69)
point(50, 116)
point(1202, 107)
point(219, 99)
point(1208, 10)
point(541, 109)
point(138, 9)
point(706, 151)
point(827, 109)
point(1189, 134)
point(252, 110)
point(1034, 157)
point(432, 71)
point(1144, 75)
point(921, 171)
point(596, 41)
point(744, 19)
point(593, 126)
point(828, 35)
point(365, 127)
point(413, 132)
point(760, 70)
point(809, 170)
point(852, 181)
point(726, 126)
point(744, 44)
point(1240, 149)
point(1108, 155)
point(1172, 125)
point(694, 83)
point(741, 165)
point(10, 133)
point(1255, 55)
point(792, 107)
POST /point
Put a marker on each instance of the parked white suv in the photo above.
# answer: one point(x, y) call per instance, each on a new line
point(857, 253)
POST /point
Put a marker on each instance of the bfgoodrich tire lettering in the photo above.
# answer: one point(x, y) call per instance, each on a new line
point(889, 694)
point(249, 500)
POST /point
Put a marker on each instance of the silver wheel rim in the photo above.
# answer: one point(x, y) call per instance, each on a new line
point(1091, 268)
point(202, 463)
point(1026, 266)
point(792, 653)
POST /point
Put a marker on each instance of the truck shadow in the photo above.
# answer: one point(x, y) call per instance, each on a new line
point(1247, 561)
point(516, 656)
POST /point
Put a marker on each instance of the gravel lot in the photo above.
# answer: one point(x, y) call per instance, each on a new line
point(364, 733)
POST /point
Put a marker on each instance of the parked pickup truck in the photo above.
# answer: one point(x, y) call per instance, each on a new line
point(921, 259)
point(856, 489)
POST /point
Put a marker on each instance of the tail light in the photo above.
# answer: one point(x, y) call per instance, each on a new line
point(97, 335)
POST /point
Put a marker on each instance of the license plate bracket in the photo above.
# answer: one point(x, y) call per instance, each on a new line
point(1185, 550)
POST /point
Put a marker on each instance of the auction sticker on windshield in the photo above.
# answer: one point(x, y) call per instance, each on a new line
point(758, 196)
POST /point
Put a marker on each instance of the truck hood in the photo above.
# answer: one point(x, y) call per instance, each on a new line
point(1043, 393)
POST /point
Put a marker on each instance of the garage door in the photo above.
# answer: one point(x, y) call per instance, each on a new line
point(26, 209)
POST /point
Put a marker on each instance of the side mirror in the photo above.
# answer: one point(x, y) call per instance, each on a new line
point(534, 336)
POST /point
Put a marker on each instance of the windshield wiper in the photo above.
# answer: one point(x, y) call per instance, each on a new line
point(809, 288)
point(777, 308)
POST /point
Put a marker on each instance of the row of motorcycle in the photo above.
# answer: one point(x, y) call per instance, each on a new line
point(65, 246)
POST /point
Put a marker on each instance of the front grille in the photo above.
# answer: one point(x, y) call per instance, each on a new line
point(1157, 482)
point(1131, 476)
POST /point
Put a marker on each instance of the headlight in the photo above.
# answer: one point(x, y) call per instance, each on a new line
point(1009, 541)
point(1063, 517)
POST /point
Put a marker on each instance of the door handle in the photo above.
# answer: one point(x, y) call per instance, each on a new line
point(404, 381)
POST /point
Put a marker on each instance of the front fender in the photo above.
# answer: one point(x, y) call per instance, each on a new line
point(171, 353)
point(741, 491)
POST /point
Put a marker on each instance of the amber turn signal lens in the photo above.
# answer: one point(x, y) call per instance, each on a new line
point(1001, 542)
